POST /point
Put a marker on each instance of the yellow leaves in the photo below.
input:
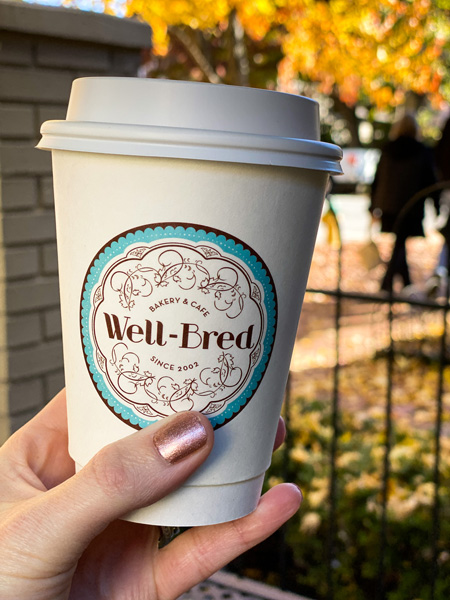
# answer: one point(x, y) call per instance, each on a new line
point(318, 497)
point(312, 422)
point(310, 523)
point(402, 502)
point(343, 45)
point(273, 481)
point(346, 437)
point(400, 509)
point(404, 452)
point(161, 14)
point(350, 44)
point(367, 481)
point(377, 454)
point(300, 455)
point(348, 458)
point(425, 493)
point(257, 17)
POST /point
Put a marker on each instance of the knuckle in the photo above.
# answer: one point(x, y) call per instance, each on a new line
point(244, 538)
point(111, 473)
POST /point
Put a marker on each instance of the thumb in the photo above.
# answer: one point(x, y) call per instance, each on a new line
point(131, 473)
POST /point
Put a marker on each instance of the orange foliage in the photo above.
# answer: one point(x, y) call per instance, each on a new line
point(368, 49)
point(372, 50)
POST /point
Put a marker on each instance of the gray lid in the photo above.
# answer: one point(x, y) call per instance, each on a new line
point(178, 119)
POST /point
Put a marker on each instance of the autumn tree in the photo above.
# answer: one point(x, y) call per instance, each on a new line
point(366, 50)
point(373, 52)
point(226, 41)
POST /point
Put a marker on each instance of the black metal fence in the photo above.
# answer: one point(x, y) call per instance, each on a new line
point(377, 581)
point(390, 351)
point(391, 301)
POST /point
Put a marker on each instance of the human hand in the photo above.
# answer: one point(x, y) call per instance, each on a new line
point(60, 536)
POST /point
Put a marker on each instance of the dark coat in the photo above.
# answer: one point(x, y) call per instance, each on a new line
point(405, 167)
point(442, 153)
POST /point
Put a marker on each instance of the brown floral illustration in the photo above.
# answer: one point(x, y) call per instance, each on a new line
point(165, 393)
point(174, 269)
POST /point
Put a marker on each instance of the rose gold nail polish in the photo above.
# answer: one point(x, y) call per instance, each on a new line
point(179, 438)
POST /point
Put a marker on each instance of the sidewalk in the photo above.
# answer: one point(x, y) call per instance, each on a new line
point(353, 215)
point(227, 586)
point(354, 218)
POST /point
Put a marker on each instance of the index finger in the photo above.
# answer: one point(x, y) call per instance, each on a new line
point(281, 433)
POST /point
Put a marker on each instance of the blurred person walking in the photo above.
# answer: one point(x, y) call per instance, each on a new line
point(405, 167)
point(442, 153)
point(442, 157)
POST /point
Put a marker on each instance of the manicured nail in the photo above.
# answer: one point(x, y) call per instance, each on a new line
point(300, 490)
point(182, 436)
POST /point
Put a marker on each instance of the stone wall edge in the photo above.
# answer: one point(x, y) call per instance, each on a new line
point(73, 24)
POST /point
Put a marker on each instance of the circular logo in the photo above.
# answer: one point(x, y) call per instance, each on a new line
point(177, 317)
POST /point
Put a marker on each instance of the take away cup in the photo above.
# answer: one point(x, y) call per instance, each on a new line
point(186, 220)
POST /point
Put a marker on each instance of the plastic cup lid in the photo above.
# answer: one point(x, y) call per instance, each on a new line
point(178, 119)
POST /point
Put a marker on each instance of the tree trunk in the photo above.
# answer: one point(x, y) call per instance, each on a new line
point(240, 55)
point(348, 113)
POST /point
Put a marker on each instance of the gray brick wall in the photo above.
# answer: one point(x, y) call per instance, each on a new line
point(42, 50)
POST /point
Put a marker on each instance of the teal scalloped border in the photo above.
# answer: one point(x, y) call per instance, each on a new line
point(148, 235)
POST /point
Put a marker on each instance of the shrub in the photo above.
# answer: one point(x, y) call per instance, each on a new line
point(359, 468)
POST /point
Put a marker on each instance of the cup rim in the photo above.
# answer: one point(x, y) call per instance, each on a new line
point(187, 143)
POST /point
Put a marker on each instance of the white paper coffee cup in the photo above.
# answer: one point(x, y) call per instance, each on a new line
point(186, 220)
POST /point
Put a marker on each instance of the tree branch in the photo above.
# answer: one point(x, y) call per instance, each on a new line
point(196, 54)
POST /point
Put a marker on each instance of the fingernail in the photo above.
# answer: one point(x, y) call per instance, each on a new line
point(181, 437)
point(300, 490)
